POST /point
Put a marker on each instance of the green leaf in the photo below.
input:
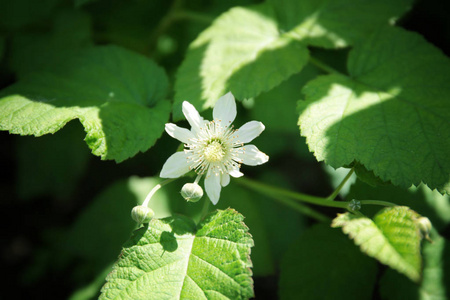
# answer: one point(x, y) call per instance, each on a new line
point(242, 44)
point(324, 264)
point(331, 23)
point(171, 258)
point(116, 94)
point(435, 281)
point(393, 238)
point(391, 114)
point(249, 50)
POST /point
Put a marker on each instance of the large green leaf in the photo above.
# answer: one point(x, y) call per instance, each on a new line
point(253, 49)
point(393, 237)
point(116, 94)
point(391, 113)
point(324, 264)
point(435, 281)
point(171, 258)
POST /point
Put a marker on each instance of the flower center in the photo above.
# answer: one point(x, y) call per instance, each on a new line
point(214, 152)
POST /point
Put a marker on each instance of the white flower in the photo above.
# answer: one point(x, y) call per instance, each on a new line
point(214, 148)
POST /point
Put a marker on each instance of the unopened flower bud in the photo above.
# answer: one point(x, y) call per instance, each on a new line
point(192, 192)
point(424, 227)
point(142, 214)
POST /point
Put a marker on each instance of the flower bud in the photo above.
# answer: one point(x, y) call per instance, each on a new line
point(354, 205)
point(424, 227)
point(142, 214)
point(192, 192)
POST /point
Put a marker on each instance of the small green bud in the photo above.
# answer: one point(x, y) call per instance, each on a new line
point(142, 214)
point(192, 192)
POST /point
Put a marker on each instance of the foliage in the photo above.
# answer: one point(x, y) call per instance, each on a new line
point(358, 86)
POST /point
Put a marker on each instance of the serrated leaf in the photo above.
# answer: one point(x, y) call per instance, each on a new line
point(171, 258)
point(242, 42)
point(393, 238)
point(249, 50)
point(391, 114)
point(116, 94)
point(322, 264)
point(435, 281)
point(331, 23)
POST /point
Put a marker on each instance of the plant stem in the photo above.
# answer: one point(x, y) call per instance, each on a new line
point(205, 209)
point(303, 209)
point(377, 202)
point(271, 190)
point(156, 188)
point(341, 185)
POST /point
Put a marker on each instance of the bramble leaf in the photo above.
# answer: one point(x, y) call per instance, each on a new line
point(393, 238)
point(171, 258)
point(390, 114)
point(116, 94)
point(249, 50)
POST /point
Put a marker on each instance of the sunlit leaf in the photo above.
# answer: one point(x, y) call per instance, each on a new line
point(393, 237)
point(172, 258)
point(391, 114)
point(116, 94)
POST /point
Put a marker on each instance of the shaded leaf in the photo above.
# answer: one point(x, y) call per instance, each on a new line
point(116, 94)
point(393, 238)
point(324, 264)
point(172, 258)
point(391, 115)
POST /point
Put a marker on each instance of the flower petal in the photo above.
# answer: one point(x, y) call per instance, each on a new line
point(224, 180)
point(250, 155)
point(212, 187)
point(225, 109)
point(175, 166)
point(249, 131)
point(181, 134)
point(236, 173)
point(192, 116)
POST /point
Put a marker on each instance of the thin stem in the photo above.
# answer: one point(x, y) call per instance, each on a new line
point(341, 185)
point(205, 209)
point(157, 187)
point(377, 202)
point(264, 188)
point(303, 209)
point(323, 66)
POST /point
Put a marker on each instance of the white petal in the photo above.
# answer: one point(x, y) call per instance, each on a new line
point(249, 131)
point(212, 187)
point(225, 109)
point(181, 134)
point(192, 116)
point(175, 166)
point(225, 180)
point(236, 173)
point(250, 155)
